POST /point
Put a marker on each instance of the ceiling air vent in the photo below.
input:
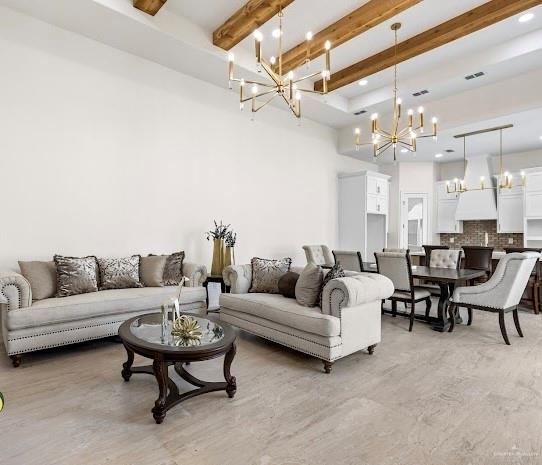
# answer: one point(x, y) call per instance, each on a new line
point(360, 112)
point(449, 150)
point(475, 75)
point(420, 92)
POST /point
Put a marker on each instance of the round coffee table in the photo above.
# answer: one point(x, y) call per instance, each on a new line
point(143, 335)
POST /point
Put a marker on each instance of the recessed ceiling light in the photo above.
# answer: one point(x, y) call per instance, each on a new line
point(438, 155)
point(526, 17)
point(404, 150)
point(363, 82)
point(540, 137)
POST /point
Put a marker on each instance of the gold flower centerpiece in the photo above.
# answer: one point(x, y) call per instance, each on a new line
point(187, 329)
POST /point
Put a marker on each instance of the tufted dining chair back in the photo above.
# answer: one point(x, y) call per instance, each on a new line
point(319, 255)
point(349, 259)
point(445, 258)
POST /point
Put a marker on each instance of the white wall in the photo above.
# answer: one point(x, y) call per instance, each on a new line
point(104, 153)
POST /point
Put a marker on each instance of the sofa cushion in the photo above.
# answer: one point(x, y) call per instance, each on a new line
point(287, 284)
point(308, 286)
point(280, 309)
point(173, 269)
point(96, 304)
point(76, 275)
point(266, 274)
point(42, 278)
point(151, 270)
point(119, 273)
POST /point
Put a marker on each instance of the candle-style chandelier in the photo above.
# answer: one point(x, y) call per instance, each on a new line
point(285, 86)
point(405, 137)
point(505, 181)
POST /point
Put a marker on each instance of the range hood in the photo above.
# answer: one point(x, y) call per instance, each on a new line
point(477, 204)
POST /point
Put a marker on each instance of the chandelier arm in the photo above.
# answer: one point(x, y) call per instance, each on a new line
point(261, 94)
point(383, 133)
point(264, 103)
point(384, 147)
point(424, 136)
point(263, 84)
point(405, 144)
point(274, 76)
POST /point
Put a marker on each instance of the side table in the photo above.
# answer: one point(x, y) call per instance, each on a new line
point(215, 279)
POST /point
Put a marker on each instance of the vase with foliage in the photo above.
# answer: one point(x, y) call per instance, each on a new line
point(221, 235)
point(229, 253)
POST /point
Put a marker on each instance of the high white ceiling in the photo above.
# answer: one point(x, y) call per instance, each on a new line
point(180, 37)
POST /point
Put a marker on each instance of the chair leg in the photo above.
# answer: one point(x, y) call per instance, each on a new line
point(451, 312)
point(503, 327)
point(428, 304)
point(469, 322)
point(412, 316)
point(516, 322)
point(394, 308)
point(536, 298)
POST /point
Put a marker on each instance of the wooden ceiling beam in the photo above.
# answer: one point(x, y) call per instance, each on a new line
point(357, 22)
point(150, 7)
point(474, 20)
point(245, 20)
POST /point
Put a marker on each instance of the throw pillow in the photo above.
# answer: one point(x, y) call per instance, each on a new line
point(119, 273)
point(335, 272)
point(42, 278)
point(287, 283)
point(266, 274)
point(75, 275)
point(173, 270)
point(151, 270)
point(308, 286)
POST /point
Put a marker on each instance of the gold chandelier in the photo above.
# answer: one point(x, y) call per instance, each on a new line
point(459, 186)
point(405, 137)
point(278, 85)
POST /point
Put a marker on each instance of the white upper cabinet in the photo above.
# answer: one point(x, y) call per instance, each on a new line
point(533, 193)
point(446, 209)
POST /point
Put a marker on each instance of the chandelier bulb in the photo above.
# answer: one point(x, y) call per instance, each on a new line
point(276, 33)
point(327, 45)
point(399, 101)
point(308, 36)
point(291, 75)
point(272, 60)
point(357, 131)
point(434, 120)
point(258, 35)
point(242, 83)
point(374, 116)
point(298, 95)
point(420, 110)
point(410, 112)
point(254, 89)
point(231, 57)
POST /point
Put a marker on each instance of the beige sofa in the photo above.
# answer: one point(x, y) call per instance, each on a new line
point(349, 320)
point(28, 326)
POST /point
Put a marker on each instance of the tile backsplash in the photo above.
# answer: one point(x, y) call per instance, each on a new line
point(474, 232)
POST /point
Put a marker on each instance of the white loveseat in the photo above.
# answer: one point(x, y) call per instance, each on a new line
point(28, 326)
point(349, 320)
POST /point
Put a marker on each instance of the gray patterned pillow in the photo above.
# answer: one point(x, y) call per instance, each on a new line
point(173, 271)
point(335, 272)
point(75, 275)
point(119, 273)
point(266, 274)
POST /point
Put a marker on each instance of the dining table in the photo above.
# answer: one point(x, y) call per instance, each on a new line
point(447, 279)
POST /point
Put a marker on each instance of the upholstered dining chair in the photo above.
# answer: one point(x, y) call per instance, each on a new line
point(350, 260)
point(319, 255)
point(395, 250)
point(500, 294)
point(429, 248)
point(396, 266)
point(535, 281)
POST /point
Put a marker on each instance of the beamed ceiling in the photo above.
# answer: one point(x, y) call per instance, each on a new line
point(440, 43)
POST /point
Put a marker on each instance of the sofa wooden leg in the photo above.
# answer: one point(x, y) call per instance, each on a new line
point(371, 349)
point(327, 366)
point(15, 360)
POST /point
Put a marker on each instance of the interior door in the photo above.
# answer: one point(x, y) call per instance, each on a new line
point(414, 220)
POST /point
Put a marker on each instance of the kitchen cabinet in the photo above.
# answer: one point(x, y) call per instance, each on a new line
point(532, 202)
point(510, 210)
point(446, 209)
point(363, 212)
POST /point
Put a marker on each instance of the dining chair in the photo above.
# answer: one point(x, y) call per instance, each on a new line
point(535, 281)
point(478, 258)
point(350, 260)
point(500, 294)
point(395, 250)
point(429, 248)
point(396, 266)
point(442, 258)
point(319, 255)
